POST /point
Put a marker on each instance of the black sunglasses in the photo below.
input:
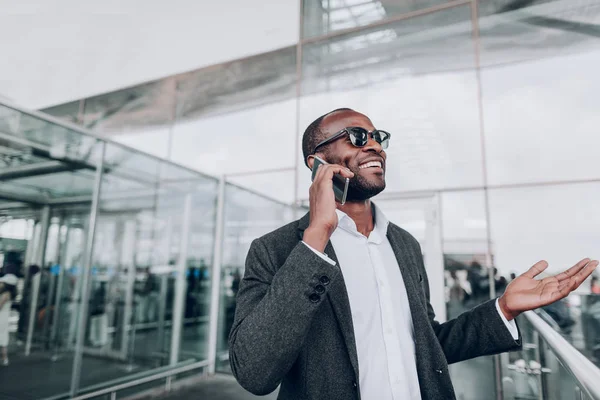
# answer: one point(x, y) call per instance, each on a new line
point(359, 137)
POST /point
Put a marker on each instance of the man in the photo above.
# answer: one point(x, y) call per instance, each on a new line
point(336, 304)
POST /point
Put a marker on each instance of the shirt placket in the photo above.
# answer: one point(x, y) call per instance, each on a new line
point(390, 333)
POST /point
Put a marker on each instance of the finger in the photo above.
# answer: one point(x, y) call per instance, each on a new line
point(330, 169)
point(537, 268)
point(568, 285)
point(573, 270)
point(585, 272)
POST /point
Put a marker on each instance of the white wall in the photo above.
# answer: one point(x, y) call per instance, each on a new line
point(54, 51)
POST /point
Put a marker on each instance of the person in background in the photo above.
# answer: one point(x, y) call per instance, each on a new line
point(8, 291)
point(456, 297)
point(595, 286)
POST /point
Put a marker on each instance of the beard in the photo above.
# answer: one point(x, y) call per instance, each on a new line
point(360, 189)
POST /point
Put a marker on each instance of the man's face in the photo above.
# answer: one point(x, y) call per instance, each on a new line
point(367, 181)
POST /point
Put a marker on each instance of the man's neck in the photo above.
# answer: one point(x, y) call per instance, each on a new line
point(362, 215)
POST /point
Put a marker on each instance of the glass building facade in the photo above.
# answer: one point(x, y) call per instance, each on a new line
point(492, 164)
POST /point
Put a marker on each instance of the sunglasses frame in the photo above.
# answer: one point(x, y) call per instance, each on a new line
point(346, 131)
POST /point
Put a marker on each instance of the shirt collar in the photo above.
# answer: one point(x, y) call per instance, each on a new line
point(379, 230)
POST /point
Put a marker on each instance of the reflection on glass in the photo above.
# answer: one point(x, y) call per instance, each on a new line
point(9, 120)
point(400, 83)
point(326, 16)
point(137, 108)
point(399, 49)
point(140, 117)
point(237, 85)
point(69, 112)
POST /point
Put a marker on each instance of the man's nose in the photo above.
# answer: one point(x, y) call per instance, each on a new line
point(373, 145)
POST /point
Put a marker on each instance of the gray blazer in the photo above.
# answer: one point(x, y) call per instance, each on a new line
point(293, 324)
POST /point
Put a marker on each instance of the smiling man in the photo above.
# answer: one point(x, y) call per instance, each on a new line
point(336, 304)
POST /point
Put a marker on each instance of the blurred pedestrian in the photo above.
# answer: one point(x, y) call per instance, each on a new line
point(8, 291)
point(595, 286)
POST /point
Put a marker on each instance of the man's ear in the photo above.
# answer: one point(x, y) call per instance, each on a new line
point(310, 160)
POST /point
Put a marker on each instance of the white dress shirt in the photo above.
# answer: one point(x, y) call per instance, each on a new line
point(383, 326)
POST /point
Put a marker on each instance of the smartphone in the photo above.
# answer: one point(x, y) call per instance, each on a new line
point(340, 184)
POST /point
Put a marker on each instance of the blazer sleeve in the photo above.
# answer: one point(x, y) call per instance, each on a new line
point(274, 310)
point(477, 332)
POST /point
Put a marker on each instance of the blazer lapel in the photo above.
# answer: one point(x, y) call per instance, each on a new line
point(425, 340)
point(409, 276)
point(338, 296)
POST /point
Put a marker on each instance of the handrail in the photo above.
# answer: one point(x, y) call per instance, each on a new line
point(582, 369)
point(113, 382)
point(141, 381)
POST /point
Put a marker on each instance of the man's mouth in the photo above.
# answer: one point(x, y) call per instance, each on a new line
point(370, 164)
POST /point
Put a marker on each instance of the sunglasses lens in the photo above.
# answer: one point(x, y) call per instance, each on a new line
point(358, 136)
point(383, 138)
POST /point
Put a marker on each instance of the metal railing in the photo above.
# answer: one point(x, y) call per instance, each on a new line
point(111, 388)
point(549, 367)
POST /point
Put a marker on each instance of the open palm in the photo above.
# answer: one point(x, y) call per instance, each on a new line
point(527, 293)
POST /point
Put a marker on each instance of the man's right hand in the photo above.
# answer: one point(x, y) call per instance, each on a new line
point(323, 219)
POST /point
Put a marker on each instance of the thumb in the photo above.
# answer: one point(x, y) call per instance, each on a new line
point(537, 268)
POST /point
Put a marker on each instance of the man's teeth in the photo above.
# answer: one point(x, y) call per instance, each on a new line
point(370, 164)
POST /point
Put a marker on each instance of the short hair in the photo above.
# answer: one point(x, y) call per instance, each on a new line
point(312, 134)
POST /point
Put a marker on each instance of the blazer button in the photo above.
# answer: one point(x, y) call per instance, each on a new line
point(320, 289)
point(314, 298)
point(325, 280)
point(354, 385)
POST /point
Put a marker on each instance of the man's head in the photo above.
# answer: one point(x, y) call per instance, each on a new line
point(368, 179)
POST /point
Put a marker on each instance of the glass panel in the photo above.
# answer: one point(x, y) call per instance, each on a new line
point(140, 117)
point(247, 216)
point(553, 223)
point(57, 142)
point(275, 185)
point(151, 104)
point(255, 139)
point(413, 78)
point(145, 290)
point(431, 43)
point(236, 85)
point(9, 120)
point(466, 281)
point(540, 90)
point(524, 380)
point(584, 312)
point(326, 16)
point(44, 162)
point(68, 111)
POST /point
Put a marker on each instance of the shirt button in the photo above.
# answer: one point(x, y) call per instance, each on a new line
point(314, 298)
point(319, 289)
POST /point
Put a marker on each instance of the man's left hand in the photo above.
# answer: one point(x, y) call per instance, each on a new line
point(526, 293)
